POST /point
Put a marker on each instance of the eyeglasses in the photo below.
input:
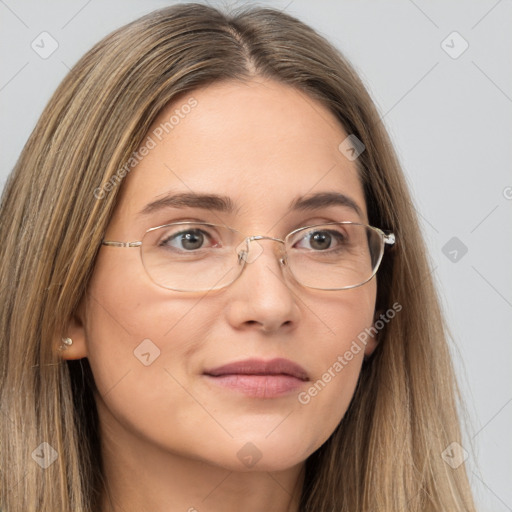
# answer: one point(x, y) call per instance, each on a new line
point(199, 256)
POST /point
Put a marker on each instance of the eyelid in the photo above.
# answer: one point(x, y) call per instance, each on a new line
point(315, 221)
point(322, 221)
point(181, 229)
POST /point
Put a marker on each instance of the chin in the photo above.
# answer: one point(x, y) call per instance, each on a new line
point(255, 453)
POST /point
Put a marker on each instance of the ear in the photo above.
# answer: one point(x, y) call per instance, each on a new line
point(76, 331)
point(373, 341)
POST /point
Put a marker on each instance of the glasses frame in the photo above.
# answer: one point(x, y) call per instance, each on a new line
point(387, 238)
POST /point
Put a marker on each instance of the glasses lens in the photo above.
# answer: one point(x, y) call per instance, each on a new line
point(200, 256)
point(191, 256)
point(334, 256)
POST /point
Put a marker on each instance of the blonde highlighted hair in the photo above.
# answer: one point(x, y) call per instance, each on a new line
point(385, 454)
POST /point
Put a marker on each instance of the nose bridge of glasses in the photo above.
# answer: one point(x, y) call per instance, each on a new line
point(250, 252)
point(262, 237)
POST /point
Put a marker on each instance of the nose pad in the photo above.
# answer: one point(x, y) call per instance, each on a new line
point(250, 250)
point(248, 254)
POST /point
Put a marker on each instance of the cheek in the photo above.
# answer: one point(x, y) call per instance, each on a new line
point(131, 328)
point(338, 355)
point(350, 310)
point(138, 344)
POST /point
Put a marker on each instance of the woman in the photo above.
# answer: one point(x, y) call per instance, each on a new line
point(215, 292)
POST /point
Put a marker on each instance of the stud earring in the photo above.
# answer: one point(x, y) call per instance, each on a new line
point(66, 342)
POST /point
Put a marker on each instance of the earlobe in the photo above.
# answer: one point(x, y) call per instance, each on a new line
point(371, 345)
point(73, 344)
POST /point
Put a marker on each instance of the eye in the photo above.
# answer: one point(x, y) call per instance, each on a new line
point(187, 240)
point(321, 240)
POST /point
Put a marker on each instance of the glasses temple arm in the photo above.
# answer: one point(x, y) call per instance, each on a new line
point(112, 243)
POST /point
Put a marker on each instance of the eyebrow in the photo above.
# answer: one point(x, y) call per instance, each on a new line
point(225, 204)
point(324, 200)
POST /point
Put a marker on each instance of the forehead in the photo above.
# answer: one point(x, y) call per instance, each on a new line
point(261, 143)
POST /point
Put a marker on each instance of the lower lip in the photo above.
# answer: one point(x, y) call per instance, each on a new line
point(259, 386)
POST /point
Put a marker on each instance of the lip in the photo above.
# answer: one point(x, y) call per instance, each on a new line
point(259, 378)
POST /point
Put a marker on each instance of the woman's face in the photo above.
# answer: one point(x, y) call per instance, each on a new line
point(263, 145)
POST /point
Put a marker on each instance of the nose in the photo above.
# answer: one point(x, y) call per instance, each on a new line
point(261, 296)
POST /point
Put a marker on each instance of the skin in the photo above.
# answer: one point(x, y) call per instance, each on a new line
point(170, 438)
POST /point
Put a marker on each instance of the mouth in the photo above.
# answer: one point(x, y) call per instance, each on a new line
point(258, 378)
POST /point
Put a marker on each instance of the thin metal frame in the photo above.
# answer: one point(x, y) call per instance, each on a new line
point(387, 239)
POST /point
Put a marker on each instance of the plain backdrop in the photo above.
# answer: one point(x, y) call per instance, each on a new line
point(440, 75)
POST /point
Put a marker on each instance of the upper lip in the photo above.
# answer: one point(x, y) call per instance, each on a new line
point(278, 366)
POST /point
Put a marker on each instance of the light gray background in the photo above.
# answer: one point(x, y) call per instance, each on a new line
point(449, 118)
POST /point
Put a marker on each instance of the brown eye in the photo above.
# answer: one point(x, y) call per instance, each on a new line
point(324, 239)
point(188, 240)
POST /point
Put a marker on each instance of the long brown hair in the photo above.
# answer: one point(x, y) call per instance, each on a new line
point(386, 453)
